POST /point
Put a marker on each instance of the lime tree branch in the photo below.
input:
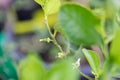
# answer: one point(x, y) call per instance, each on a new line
point(53, 38)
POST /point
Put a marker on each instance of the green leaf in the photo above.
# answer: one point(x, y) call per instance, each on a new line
point(79, 24)
point(93, 60)
point(41, 2)
point(62, 71)
point(115, 48)
point(31, 68)
point(49, 6)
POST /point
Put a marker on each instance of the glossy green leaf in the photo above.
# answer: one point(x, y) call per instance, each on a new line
point(79, 24)
point(93, 59)
point(115, 48)
point(62, 71)
point(31, 68)
point(49, 6)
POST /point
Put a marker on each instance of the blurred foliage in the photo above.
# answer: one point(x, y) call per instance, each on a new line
point(8, 72)
point(7, 67)
point(115, 48)
point(37, 23)
point(32, 68)
point(62, 70)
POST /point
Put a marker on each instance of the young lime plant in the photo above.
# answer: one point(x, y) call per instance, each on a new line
point(79, 26)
